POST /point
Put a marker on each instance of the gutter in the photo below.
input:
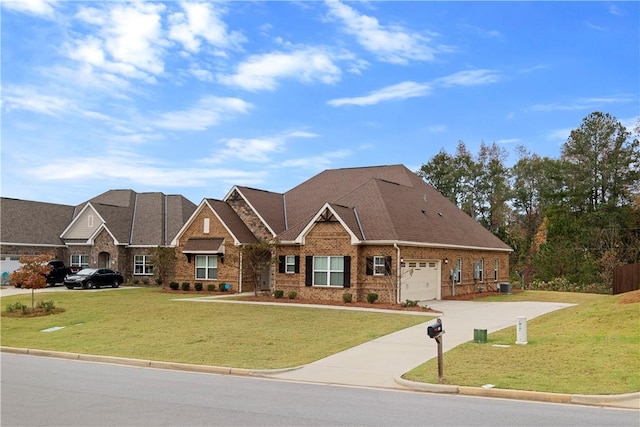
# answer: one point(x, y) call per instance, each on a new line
point(398, 276)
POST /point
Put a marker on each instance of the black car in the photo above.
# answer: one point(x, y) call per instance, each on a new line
point(89, 278)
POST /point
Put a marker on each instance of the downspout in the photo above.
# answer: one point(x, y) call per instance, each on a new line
point(240, 278)
point(395, 245)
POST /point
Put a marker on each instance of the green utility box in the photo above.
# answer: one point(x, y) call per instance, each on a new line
point(480, 335)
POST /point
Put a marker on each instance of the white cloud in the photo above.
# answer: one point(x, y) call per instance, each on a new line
point(469, 78)
point(44, 8)
point(320, 162)
point(437, 128)
point(128, 42)
point(129, 168)
point(392, 44)
point(208, 111)
point(30, 99)
point(262, 72)
point(201, 21)
point(581, 104)
point(508, 141)
point(559, 134)
point(255, 150)
point(402, 90)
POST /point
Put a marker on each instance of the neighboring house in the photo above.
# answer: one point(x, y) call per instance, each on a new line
point(117, 229)
point(363, 230)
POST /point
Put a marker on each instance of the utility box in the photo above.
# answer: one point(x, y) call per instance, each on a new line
point(504, 288)
point(480, 336)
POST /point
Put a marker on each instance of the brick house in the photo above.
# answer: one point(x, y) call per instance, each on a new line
point(362, 230)
point(116, 229)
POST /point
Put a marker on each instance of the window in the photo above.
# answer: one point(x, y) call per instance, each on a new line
point(478, 270)
point(142, 264)
point(495, 269)
point(458, 271)
point(290, 264)
point(205, 226)
point(328, 271)
point(90, 221)
point(81, 261)
point(206, 266)
point(379, 266)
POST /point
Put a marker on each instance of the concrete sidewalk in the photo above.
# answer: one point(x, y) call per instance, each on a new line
point(380, 362)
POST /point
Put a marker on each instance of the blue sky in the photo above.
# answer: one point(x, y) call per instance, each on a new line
point(192, 98)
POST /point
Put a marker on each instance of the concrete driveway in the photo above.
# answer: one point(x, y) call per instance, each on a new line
point(379, 362)
point(6, 291)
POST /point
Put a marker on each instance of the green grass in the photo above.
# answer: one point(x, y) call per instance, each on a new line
point(591, 348)
point(147, 324)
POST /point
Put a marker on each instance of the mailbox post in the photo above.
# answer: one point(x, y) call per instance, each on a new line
point(435, 331)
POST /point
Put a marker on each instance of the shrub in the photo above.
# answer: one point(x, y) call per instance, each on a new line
point(347, 297)
point(47, 306)
point(186, 286)
point(145, 281)
point(136, 281)
point(18, 306)
point(158, 281)
point(223, 287)
point(372, 297)
point(211, 287)
point(293, 295)
point(278, 293)
point(409, 303)
point(198, 286)
point(174, 285)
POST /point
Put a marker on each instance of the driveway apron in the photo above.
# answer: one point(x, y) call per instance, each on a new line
point(378, 362)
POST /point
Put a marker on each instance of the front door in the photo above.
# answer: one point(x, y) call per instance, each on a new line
point(104, 260)
point(265, 279)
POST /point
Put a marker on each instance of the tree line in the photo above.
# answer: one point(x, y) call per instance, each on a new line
point(573, 218)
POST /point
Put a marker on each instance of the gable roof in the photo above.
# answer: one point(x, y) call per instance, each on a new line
point(27, 222)
point(268, 206)
point(384, 204)
point(137, 219)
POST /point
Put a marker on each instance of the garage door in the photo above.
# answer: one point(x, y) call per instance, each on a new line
point(419, 280)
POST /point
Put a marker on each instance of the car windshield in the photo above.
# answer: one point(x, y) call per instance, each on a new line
point(86, 272)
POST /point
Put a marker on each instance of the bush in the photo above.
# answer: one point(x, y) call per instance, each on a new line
point(47, 306)
point(371, 297)
point(158, 281)
point(198, 286)
point(211, 287)
point(278, 293)
point(174, 285)
point(18, 306)
point(224, 287)
point(409, 303)
point(186, 286)
point(145, 281)
point(347, 297)
point(136, 281)
point(293, 295)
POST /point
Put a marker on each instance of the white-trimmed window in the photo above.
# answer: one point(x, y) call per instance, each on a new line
point(290, 264)
point(379, 267)
point(495, 269)
point(458, 271)
point(90, 221)
point(206, 267)
point(142, 265)
point(81, 261)
point(478, 270)
point(328, 271)
point(206, 226)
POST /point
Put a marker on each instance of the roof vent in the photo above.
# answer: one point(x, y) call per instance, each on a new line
point(440, 213)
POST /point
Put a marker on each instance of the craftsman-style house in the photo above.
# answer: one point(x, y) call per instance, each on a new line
point(364, 230)
point(117, 229)
point(358, 230)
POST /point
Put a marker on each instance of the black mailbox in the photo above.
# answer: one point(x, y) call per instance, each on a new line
point(435, 330)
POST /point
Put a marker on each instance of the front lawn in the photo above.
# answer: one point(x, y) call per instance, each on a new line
point(592, 348)
point(148, 324)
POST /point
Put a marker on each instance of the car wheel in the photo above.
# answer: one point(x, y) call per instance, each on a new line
point(69, 287)
point(115, 283)
point(88, 285)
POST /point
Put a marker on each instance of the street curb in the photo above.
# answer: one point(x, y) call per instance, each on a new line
point(627, 401)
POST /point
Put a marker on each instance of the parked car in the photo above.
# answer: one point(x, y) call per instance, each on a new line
point(88, 278)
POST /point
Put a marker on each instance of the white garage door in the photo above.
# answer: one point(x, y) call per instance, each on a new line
point(419, 280)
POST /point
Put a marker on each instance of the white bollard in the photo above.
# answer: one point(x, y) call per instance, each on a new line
point(521, 335)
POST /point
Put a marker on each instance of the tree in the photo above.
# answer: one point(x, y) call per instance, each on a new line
point(257, 258)
point(163, 260)
point(32, 274)
point(603, 163)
